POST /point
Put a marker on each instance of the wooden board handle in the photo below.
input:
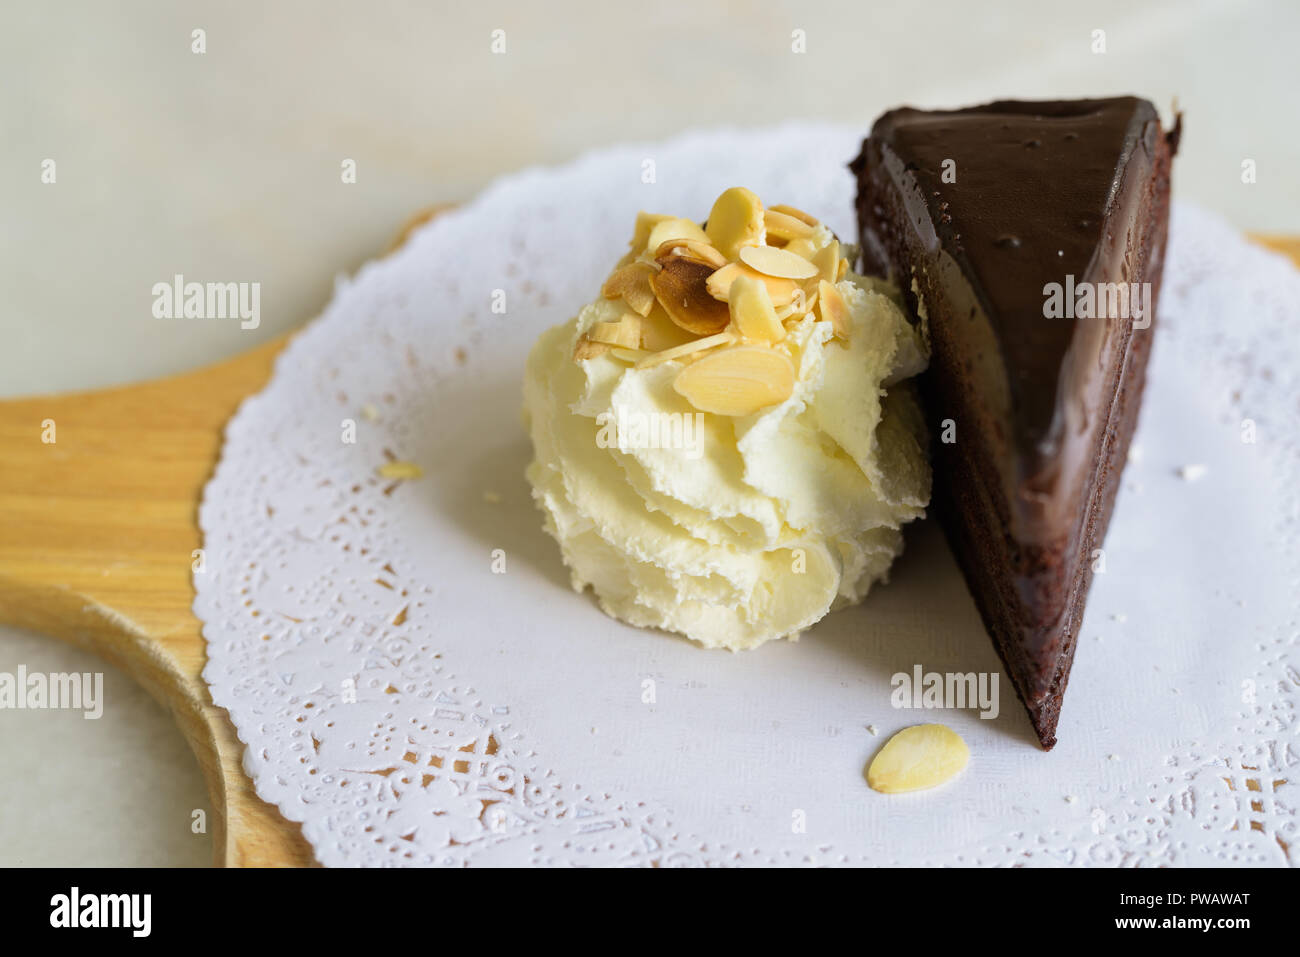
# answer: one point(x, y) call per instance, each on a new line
point(97, 536)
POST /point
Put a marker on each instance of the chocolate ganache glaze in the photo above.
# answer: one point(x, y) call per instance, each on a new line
point(994, 220)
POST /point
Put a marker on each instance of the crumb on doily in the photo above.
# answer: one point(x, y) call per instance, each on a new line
point(400, 470)
point(1190, 473)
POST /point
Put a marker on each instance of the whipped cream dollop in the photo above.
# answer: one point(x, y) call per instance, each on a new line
point(731, 529)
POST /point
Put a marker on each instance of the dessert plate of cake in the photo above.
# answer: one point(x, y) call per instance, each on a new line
point(843, 453)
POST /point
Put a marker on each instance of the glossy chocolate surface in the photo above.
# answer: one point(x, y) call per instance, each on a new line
point(976, 213)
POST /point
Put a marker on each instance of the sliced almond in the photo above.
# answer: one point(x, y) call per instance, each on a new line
point(919, 757)
point(801, 247)
point(585, 348)
point(681, 287)
point(752, 313)
point(827, 261)
point(606, 332)
point(801, 305)
point(673, 228)
point(833, 308)
point(628, 355)
point(735, 220)
point(785, 226)
point(631, 283)
point(719, 283)
point(686, 349)
point(780, 291)
point(659, 332)
point(737, 381)
point(691, 249)
point(798, 214)
point(645, 223)
point(841, 270)
point(626, 332)
point(777, 262)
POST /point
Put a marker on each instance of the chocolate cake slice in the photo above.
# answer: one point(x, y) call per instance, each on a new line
point(1030, 237)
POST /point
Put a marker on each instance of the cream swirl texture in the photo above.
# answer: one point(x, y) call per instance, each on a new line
point(732, 530)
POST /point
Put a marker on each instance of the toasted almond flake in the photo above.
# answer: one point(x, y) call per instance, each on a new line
point(681, 287)
point(841, 270)
point(693, 250)
point(674, 228)
point(785, 226)
point(780, 291)
point(833, 309)
point(777, 263)
point(631, 283)
point(634, 356)
point(737, 381)
point(752, 313)
point(919, 757)
point(735, 220)
point(798, 214)
point(586, 349)
point(827, 261)
point(400, 470)
point(626, 332)
point(659, 332)
point(686, 349)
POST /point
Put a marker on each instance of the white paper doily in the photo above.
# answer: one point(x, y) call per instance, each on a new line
point(412, 706)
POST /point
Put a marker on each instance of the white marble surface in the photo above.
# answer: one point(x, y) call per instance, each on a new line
point(226, 166)
point(118, 790)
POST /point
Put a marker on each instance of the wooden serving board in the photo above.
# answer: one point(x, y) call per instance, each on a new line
point(97, 532)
